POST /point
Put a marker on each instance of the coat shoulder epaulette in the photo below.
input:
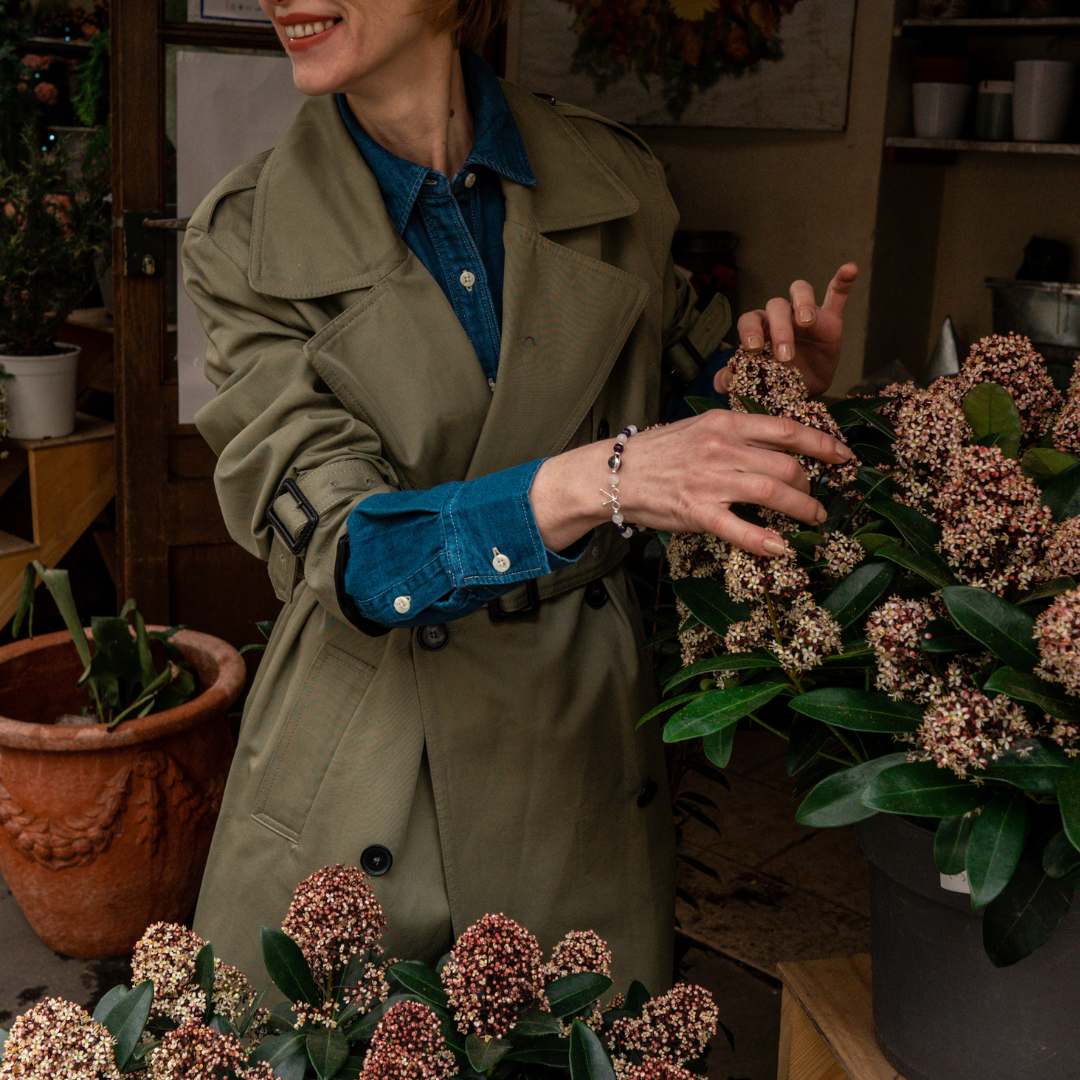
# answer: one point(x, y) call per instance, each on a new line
point(243, 178)
point(575, 112)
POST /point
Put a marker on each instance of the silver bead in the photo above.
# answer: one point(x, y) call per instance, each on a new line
point(614, 462)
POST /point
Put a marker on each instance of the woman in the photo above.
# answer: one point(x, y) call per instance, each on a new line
point(431, 310)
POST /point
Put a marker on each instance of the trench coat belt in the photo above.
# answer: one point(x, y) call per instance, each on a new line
point(687, 356)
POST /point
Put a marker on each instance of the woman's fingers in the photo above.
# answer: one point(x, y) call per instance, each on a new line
point(759, 489)
point(781, 329)
point(803, 303)
point(788, 436)
point(772, 463)
point(840, 288)
point(752, 330)
point(730, 527)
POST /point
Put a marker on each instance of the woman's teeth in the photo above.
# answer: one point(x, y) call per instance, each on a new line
point(302, 30)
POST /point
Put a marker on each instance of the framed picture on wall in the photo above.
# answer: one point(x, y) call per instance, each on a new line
point(702, 63)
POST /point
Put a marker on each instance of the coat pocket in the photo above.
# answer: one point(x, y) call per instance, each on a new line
point(330, 697)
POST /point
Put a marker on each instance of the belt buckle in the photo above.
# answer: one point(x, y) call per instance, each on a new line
point(295, 546)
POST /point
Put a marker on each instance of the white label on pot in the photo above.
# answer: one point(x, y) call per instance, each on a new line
point(956, 882)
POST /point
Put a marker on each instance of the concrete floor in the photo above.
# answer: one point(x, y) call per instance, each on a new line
point(785, 892)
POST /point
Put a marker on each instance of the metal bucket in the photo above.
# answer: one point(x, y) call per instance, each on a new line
point(1045, 311)
point(942, 1011)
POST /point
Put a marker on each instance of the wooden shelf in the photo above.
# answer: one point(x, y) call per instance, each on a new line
point(954, 145)
point(1064, 24)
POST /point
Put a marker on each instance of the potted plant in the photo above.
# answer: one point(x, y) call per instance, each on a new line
point(493, 1006)
point(114, 749)
point(53, 226)
point(921, 654)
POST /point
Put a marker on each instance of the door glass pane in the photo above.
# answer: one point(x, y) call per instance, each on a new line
point(224, 12)
point(223, 106)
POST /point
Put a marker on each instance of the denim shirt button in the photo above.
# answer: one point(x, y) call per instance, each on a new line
point(468, 279)
point(470, 179)
point(402, 605)
point(501, 563)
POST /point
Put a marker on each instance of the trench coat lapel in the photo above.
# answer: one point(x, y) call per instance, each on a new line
point(566, 313)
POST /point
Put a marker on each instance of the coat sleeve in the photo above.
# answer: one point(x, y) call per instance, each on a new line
point(273, 419)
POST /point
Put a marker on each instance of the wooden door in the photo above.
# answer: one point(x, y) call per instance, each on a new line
point(173, 552)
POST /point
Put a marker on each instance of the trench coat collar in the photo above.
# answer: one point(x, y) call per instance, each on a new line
point(320, 226)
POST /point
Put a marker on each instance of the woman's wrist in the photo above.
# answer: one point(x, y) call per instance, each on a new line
point(566, 495)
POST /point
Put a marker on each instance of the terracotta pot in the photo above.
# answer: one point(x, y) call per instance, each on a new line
point(104, 832)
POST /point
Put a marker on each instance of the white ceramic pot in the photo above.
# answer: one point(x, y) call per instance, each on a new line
point(1042, 100)
point(41, 393)
point(940, 109)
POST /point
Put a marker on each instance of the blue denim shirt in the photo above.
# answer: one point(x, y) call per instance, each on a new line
point(432, 556)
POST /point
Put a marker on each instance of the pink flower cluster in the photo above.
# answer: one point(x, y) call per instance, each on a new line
point(1057, 632)
point(408, 1045)
point(57, 1038)
point(671, 1032)
point(196, 1052)
point(968, 730)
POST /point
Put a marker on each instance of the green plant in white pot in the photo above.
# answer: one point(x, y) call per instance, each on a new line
point(52, 226)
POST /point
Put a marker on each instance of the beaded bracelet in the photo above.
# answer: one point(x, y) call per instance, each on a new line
point(611, 498)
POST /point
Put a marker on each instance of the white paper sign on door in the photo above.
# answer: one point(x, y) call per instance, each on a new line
point(229, 107)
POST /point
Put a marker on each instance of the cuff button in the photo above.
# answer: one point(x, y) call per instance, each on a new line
point(500, 562)
point(402, 605)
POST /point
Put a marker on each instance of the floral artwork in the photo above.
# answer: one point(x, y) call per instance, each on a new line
point(918, 649)
point(742, 63)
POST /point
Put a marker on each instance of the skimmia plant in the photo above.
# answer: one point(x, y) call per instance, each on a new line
point(925, 641)
point(493, 1007)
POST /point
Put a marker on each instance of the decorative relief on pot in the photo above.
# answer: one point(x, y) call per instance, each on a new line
point(153, 786)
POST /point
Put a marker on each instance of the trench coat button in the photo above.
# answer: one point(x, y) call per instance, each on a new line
point(433, 637)
point(501, 562)
point(647, 793)
point(402, 605)
point(468, 279)
point(596, 595)
point(602, 430)
point(470, 179)
point(376, 860)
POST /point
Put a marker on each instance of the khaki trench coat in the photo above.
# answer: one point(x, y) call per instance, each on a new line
point(504, 771)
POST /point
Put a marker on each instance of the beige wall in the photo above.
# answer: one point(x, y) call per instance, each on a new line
point(802, 202)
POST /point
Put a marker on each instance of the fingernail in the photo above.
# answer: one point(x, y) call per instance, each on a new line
point(774, 546)
point(806, 316)
point(822, 514)
point(844, 451)
point(754, 342)
point(785, 353)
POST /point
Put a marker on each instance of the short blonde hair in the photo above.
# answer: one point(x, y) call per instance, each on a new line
point(470, 21)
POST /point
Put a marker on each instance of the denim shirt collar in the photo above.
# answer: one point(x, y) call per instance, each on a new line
point(498, 144)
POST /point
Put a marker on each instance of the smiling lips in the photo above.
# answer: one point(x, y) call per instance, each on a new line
point(303, 30)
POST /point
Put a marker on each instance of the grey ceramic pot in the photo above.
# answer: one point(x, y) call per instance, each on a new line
point(942, 1011)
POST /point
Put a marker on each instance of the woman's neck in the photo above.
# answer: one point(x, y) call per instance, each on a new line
point(419, 110)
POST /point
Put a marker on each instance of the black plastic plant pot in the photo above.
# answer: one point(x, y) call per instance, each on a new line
point(942, 1011)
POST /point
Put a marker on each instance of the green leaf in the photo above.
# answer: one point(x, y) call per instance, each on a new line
point(588, 1058)
point(702, 404)
point(917, 529)
point(249, 1017)
point(1042, 464)
point(56, 581)
point(110, 998)
point(534, 1023)
point(921, 789)
point(127, 1018)
point(806, 739)
point(859, 592)
point(1005, 629)
point(806, 542)
point(1062, 494)
point(871, 417)
point(204, 975)
point(931, 568)
point(667, 706)
point(328, 1050)
point(872, 543)
point(950, 843)
point(364, 1028)
point(637, 997)
point(990, 410)
point(717, 709)
point(572, 993)
point(353, 1068)
point(1032, 765)
point(1060, 858)
point(1023, 686)
point(280, 1048)
point(752, 405)
point(719, 745)
point(417, 978)
point(995, 846)
point(221, 1025)
point(750, 661)
point(1025, 914)
point(285, 964)
point(848, 412)
point(1048, 590)
point(548, 1050)
point(940, 636)
point(484, 1054)
point(1068, 793)
point(3, 1039)
point(837, 800)
point(708, 601)
point(859, 710)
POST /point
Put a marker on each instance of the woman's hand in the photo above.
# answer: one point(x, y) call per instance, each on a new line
point(684, 477)
point(800, 331)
